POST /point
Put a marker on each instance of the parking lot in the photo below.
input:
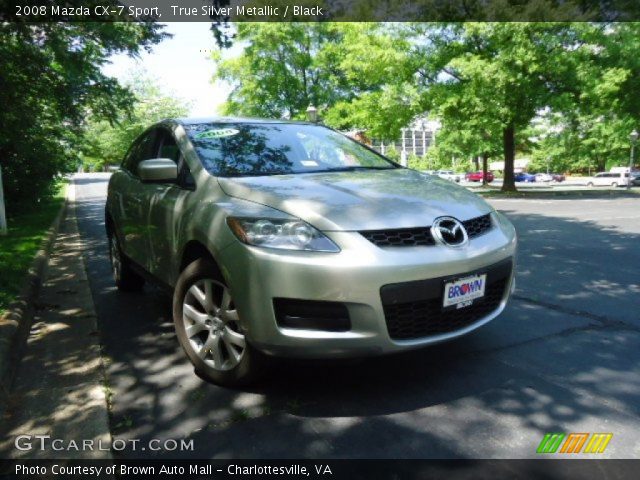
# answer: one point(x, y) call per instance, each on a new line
point(564, 357)
point(572, 183)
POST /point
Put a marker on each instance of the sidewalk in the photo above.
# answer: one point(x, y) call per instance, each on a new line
point(58, 391)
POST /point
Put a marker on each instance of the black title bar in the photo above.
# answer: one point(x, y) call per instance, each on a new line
point(321, 10)
point(573, 469)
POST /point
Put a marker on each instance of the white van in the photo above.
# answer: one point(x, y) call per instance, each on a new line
point(608, 179)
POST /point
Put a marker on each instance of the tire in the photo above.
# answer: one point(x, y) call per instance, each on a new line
point(209, 330)
point(590, 184)
point(614, 185)
point(124, 277)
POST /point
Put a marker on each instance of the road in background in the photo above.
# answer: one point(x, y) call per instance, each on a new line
point(572, 183)
point(563, 357)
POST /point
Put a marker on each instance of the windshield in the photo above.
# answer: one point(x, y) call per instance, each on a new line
point(231, 150)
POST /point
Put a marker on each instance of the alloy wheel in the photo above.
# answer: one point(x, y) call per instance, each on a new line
point(211, 325)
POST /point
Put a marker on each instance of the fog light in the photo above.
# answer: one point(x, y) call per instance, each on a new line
point(311, 315)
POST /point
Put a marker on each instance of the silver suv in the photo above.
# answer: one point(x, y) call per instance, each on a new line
point(290, 239)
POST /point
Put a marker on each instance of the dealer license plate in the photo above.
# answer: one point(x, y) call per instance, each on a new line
point(463, 291)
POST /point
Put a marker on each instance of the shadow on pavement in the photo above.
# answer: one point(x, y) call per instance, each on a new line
point(470, 398)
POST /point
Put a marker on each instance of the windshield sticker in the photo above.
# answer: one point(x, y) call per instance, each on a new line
point(309, 163)
point(218, 133)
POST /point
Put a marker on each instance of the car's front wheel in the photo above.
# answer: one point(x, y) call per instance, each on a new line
point(209, 330)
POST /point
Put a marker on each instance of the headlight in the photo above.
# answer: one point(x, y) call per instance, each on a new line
point(279, 233)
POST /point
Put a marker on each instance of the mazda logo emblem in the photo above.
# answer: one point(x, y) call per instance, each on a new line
point(449, 231)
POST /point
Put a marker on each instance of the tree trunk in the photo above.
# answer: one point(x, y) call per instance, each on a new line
point(476, 163)
point(509, 142)
point(485, 161)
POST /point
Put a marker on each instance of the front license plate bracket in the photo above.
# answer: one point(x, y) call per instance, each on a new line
point(462, 292)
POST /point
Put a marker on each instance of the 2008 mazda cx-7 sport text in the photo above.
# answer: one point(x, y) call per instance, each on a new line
point(290, 239)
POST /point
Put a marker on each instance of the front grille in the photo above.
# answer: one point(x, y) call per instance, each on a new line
point(424, 318)
point(401, 237)
point(414, 309)
point(477, 226)
point(421, 236)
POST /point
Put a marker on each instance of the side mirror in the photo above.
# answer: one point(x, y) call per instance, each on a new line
point(158, 170)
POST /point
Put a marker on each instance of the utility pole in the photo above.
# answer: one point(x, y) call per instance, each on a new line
point(3, 214)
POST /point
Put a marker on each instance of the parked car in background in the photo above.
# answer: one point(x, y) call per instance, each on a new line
point(544, 177)
point(448, 175)
point(608, 179)
point(558, 177)
point(477, 177)
point(524, 177)
point(289, 239)
point(635, 178)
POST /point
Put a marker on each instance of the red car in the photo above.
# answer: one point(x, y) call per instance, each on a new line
point(477, 177)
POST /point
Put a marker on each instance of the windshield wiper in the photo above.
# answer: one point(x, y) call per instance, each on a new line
point(338, 169)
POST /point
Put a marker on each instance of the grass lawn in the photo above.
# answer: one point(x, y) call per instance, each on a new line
point(20, 245)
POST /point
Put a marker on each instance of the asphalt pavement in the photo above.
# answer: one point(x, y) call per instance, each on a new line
point(563, 357)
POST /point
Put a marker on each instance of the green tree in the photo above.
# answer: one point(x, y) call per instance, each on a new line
point(488, 83)
point(497, 77)
point(584, 143)
point(350, 71)
point(591, 131)
point(375, 61)
point(282, 70)
point(106, 142)
point(50, 78)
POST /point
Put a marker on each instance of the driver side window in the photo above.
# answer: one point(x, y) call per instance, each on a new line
point(168, 148)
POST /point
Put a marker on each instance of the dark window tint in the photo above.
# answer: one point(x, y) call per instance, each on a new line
point(167, 146)
point(142, 150)
point(127, 163)
point(278, 148)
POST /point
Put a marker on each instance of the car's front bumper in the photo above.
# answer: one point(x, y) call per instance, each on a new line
point(361, 277)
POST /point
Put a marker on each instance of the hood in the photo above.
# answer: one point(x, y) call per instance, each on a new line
point(360, 200)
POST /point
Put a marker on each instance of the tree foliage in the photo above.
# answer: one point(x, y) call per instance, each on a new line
point(495, 78)
point(350, 71)
point(106, 142)
point(489, 84)
point(50, 79)
point(284, 68)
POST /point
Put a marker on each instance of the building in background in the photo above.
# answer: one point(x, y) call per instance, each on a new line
point(519, 165)
point(415, 139)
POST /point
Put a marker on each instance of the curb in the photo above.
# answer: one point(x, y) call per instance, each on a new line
point(15, 324)
point(583, 193)
point(67, 397)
